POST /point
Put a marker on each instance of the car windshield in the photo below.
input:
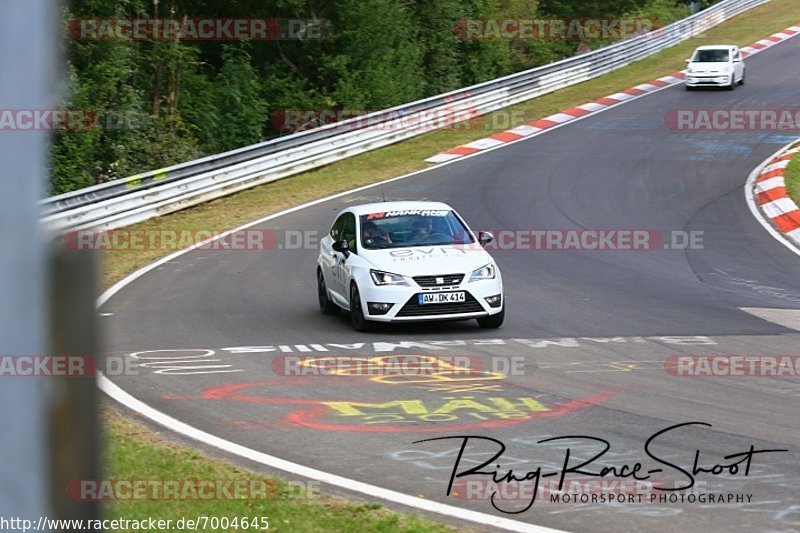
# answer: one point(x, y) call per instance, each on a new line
point(711, 56)
point(414, 227)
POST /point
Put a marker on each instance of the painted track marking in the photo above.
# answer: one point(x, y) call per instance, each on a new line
point(118, 394)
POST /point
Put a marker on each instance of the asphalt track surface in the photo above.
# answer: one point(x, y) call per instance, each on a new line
point(592, 328)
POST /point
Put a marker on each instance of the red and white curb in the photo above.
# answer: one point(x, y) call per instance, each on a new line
point(543, 124)
point(768, 191)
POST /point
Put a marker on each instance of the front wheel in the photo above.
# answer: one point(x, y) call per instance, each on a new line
point(741, 81)
point(492, 321)
point(326, 306)
point(357, 319)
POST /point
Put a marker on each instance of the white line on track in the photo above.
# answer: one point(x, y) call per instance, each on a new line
point(118, 394)
point(115, 392)
point(372, 490)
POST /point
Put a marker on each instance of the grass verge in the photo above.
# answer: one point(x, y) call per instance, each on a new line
point(133, 452)
point(136, 453)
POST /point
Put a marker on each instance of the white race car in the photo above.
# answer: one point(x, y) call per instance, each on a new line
point(407, 261)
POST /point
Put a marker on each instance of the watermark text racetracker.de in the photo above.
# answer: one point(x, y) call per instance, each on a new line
point(199, 29)
point(376, 366)
point(554, 29)
point(69, 120)
point(594, 240)
point(457, 114)
point(189, 489)
point(733, 120)
point(133, 240)
point(396, 368)
point(65, 366)
point(733, 366)
point(261, 240)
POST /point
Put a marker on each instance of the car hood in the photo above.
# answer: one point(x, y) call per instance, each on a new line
point(710, 67)
point(428, 260)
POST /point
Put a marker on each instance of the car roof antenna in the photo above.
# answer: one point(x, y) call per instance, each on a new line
point(383, 193)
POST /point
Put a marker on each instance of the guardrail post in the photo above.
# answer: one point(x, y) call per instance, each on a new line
point(38, 455)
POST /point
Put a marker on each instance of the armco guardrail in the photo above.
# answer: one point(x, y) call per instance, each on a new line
point(137, 198)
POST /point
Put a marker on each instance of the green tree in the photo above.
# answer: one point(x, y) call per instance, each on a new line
point(237, 111)
point(378, 60)
point(589, 8)
point(192, 98)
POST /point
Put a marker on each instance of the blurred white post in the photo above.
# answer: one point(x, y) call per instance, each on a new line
point(29, 70)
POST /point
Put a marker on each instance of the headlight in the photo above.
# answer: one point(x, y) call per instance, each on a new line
point(485, 272)
point(386, 278)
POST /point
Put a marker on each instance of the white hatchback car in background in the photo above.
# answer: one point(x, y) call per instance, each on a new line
point(408, 261)
point(718, 65)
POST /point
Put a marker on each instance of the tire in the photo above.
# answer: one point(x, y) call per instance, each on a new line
point(732, 85)
point(493, 321)
point(741, 81)
point(689, 88)
point(326, 306)
point(357, 319)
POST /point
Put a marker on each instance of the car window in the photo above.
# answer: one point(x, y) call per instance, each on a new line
point(348, 232)
point(718, 55)
point(415, 227)
point(336, 230)
point(344, 229)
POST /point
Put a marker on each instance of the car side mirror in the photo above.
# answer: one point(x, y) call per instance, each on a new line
point(688, 61)
point(737, 60)
point(484, 237)
point(342, 247)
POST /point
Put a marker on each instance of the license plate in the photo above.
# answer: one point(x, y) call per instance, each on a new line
point(442, 298)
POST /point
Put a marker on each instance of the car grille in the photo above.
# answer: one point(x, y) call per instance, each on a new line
point(431, 281)
point(413, 308)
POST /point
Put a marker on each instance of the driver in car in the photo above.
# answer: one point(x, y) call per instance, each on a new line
point(421, 229)
point(375, 235)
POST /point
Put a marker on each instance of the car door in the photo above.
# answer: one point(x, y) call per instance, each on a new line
point(340, 268)
point(330, 259)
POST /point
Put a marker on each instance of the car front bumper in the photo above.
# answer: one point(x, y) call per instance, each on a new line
point(708, 80)
point(406, 307)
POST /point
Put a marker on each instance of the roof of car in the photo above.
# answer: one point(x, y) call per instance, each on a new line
point(716, 46)
point(380, 207)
